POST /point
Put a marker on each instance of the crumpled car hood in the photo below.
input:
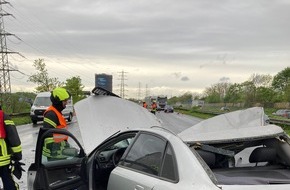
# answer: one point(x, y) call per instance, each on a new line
point(248, 123)
point(101, 116)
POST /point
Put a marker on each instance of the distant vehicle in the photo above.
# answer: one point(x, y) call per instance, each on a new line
point(42, 102)
point(197, 103)
point(282, 113)
point(168, 109)
point(149, 100)
point(161, 102)
point(225, 108)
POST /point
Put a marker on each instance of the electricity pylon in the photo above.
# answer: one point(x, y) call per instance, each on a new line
point(5, 85)
point(122, 85)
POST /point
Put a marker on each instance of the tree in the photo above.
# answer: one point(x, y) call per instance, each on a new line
point(234, 93)
point(261, 80)
point(217, 92)
point(264, 95)
point(75, 87)
point(282, 80)
point(287, 94)
point(212, 94)
point(249, 93)
point(42, 79)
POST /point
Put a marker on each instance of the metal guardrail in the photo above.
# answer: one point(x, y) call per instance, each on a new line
point(280, 121)
point(19, 114)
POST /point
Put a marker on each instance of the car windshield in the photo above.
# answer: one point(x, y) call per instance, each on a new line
point(42, 101)
point(122, 144)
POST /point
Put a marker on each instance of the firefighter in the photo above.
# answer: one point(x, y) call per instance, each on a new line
point(53, 118)
point(144, 105)
point(10, 152)
point(153, 107)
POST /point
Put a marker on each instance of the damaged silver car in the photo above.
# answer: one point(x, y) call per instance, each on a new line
point(128, 149)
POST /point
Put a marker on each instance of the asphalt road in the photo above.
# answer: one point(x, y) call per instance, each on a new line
point(28, 134)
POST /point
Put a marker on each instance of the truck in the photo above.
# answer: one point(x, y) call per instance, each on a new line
point(161, 102)
point(149, 100)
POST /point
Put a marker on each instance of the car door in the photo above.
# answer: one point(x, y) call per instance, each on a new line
point(62, 168)
point(149, 160)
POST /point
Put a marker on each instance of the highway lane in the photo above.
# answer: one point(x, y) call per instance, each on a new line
point(176, 122)
point(28, 135)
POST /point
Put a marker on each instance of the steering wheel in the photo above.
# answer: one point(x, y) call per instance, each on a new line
point(117, 156)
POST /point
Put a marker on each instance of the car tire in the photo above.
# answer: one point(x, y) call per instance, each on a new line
point(34, 122)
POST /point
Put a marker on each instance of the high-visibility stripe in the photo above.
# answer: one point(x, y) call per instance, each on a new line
point(9, 122)
point(3, 147)
point(16, 149)
point(50, 122)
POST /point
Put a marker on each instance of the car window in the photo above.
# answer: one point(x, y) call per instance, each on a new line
point(59, 151)
point(146, 154)
point(42, 101)
point(169, 168)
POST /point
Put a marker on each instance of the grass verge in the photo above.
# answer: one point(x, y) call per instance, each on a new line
point(21, 120)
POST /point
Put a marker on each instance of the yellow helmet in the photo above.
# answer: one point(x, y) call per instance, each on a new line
point(58, 95)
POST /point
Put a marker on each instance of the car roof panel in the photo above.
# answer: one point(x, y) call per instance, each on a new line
point(248, 123)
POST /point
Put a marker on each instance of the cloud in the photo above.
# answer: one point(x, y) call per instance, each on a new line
point(177, 75)
point(185, 78)
point(203, 39)
point(224, 79)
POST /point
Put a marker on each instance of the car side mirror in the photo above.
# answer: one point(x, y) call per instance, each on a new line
point(72, 152)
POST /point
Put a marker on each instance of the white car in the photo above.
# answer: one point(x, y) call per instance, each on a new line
point(42, 102)
point(129, 150)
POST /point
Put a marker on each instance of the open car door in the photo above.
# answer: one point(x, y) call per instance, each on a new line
point(57, 165)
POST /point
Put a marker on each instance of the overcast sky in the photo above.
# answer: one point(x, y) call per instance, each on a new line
point(168, 46)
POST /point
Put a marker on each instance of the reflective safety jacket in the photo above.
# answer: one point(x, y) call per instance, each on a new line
point(10, 144)
point(53, 146)
point(61, 125)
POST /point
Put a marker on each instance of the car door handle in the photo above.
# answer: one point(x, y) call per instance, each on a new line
point(138, 187)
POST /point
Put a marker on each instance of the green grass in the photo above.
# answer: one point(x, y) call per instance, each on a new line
point(194, 113)
point(21, 120)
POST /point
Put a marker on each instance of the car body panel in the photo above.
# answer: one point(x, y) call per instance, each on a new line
point(229, 126)
point(101, 116)
point(152, 157)
point(188, 168)
point(57, 174)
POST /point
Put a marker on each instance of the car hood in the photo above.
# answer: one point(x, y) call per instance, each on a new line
point(241, 124)
point(100, 116)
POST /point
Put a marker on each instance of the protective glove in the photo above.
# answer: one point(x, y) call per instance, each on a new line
point(17, 169)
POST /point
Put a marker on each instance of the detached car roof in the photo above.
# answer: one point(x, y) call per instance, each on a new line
point(101, 115)
point(237, 125)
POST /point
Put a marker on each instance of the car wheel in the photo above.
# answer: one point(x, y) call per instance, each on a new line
point(70, 117)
